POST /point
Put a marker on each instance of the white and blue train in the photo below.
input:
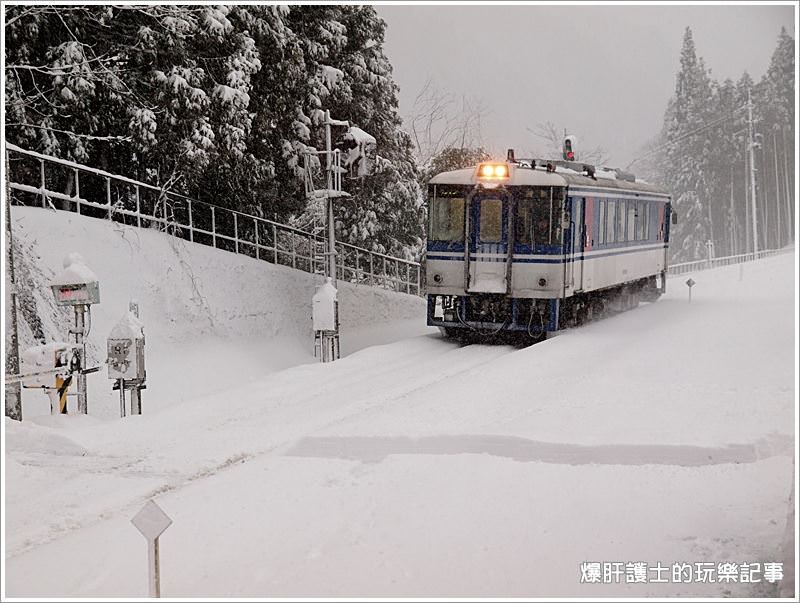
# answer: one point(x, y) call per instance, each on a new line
point(535, 246)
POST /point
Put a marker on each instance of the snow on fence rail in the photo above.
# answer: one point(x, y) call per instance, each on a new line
point(96, 193)
point(686, 267)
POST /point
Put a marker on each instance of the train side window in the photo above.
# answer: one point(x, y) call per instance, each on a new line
point(631, 229)
point(647, 221)
point(612, 221)
point(621, 215)
point(447, 219)
point(601, 223)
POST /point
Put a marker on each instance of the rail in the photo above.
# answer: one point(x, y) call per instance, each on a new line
point(686, 267)
point(40, 179)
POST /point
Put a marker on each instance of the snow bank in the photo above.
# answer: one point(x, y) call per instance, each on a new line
point(27, 436)
point(214, 319)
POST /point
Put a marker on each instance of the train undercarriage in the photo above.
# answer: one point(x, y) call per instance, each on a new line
point(486, 317)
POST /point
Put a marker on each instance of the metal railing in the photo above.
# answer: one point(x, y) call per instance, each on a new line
point(686, 267)
point(89, 191)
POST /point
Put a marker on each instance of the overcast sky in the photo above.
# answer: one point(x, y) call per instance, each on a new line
point(604, 72)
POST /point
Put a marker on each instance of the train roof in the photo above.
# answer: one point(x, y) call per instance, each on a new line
point(539, 176)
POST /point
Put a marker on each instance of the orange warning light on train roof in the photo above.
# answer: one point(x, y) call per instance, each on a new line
point(493, 171)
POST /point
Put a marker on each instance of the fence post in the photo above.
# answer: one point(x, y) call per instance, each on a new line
point(398, 279)
point(371, 269)
point(294, 253)
point(77, 191)
point(274, 244)
point(384, 272)
point(418, 270)
point(108, 195)
point(236, 231)
point(408, 278)
point(138, 208)
point(191, 222)
point(255, 226)
point(43, 183)
point(213, 226)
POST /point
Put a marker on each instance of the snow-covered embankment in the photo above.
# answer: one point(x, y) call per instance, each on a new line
point(212, 319)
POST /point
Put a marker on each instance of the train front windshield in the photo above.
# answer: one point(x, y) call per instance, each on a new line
point(537, 219)
point(446, 213)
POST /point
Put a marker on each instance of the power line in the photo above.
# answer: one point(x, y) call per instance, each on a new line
point(711, 124)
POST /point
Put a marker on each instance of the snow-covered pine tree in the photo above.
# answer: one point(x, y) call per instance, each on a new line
point(214, 102)
point(774, 98)
point(686, 156)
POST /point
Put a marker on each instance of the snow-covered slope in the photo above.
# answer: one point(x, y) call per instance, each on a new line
point(212, 319)
point(665, 434)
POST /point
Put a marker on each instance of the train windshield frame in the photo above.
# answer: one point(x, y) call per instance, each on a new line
point(537, 221)
point(446, 213)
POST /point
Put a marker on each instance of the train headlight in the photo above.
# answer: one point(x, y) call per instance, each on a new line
point(493, 171)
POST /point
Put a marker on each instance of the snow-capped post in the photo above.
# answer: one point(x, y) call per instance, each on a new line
point(325, 315)
point(690, 284)
point(77, 286)
point(151, 521)
point(126, 359)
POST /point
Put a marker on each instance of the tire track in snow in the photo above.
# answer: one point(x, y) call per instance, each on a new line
point(364, 390)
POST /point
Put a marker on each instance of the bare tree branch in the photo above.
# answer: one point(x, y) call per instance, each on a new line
point(438, 121)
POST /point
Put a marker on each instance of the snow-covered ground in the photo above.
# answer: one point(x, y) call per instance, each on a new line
point(421, 467)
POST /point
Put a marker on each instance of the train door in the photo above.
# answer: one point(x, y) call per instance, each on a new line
point(488, 242)
point(577, 243)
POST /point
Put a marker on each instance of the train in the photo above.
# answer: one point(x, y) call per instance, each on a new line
point(533, 246)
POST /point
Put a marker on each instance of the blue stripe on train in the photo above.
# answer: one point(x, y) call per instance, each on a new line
point(555, 260)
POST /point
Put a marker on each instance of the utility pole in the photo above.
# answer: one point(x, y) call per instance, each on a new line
point(13, 390)
point(787, 189)
point(751, 145)
point(747, 238)
point(331, 229)
point(732, 218)
point(777, 186)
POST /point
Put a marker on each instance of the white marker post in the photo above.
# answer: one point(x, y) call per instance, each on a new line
point(151, 521)
point(690, 284)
